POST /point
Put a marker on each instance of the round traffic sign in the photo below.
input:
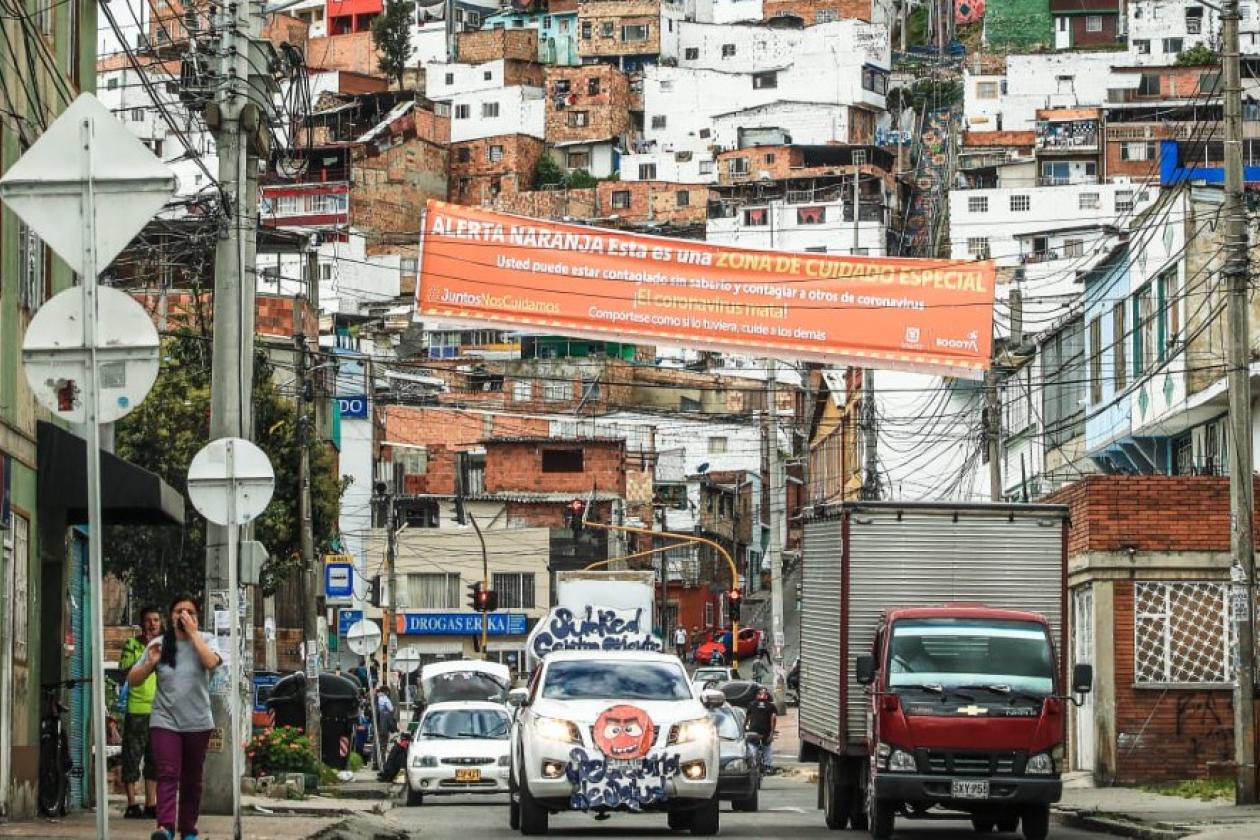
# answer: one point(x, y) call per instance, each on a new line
point(364, 637)
point(407, 660)
point(56, 359)
point(230, 479)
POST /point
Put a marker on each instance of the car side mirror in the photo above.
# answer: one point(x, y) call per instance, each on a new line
point(517, 697)
point(864, 668)
point(1082, 678)
point(712, 698)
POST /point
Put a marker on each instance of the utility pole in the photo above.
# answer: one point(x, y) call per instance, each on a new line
point(859, 159)
point(1242, 544)
point(774, 468)
point(391, 555)
point(993, 434)
point(235, 121)
point(870, 487)
point(306, 535)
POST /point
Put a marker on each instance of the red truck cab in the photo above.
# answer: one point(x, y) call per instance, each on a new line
point(967, 713)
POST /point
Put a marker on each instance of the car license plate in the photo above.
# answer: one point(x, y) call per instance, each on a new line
point(969, 790)
point(474, 776)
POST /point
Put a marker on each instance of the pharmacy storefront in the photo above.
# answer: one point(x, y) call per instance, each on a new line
point(439, 636)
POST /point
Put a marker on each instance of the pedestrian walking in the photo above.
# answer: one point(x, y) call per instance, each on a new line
point(180, 723)
point(136, 747)
point(680, 642)
point(762, 719)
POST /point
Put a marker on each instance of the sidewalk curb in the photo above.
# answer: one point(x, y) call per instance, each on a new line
point(1117, 825)
point(297, 807)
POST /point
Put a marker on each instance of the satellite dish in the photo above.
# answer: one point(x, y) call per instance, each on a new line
point(703, 468)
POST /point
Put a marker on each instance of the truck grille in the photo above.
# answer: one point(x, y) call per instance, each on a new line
point(468, 761)
point(970, 763)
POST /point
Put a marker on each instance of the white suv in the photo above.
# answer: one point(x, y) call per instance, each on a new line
point(601, 731)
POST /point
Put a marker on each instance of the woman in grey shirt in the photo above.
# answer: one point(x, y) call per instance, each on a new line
point(181, 722)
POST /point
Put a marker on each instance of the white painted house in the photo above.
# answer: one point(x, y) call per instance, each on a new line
point(519, 109)
point(1034, 82)
point(1159, 30)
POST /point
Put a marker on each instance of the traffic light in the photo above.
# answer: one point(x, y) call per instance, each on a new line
point(733, 599)
point(482, 600)
point(575, 512)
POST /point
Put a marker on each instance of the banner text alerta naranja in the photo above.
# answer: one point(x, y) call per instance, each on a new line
point(482, 267)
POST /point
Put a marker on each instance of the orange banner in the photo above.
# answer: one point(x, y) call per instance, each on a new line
point(481, 267)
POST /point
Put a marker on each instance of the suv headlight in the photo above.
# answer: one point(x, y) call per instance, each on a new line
point(696, 729)
point(735, 765)
point(555, 729)
point(424, 761)
point(505, 760)
point(1041, 764)
point(894, 760)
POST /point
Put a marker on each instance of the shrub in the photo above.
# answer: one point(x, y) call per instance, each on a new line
point(279, 750)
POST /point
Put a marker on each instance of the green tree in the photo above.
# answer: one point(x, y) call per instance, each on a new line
point(549, 173)
point(391, 33)
point(166, 431)
point(1198, 55)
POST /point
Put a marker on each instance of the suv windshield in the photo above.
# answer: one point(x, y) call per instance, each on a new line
point(952, 652)
point(703, 675)
point(456, 686)
point(465, 723)
point(729, 726)
point(612, 680)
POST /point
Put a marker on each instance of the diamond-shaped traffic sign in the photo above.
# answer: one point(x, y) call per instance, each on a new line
point(128, 185)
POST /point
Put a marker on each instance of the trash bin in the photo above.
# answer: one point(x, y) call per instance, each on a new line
point(338, 707)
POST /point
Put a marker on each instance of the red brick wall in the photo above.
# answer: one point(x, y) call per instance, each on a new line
point(1165, 736)
point(274, 314)
point(607, 110)
point(479, 179)
point(1082, 38)
point(1147, 513)
point(550, 514)
point(493, 44)
point(354, 51)
point(655, 201)
point(388, 186)
point(512, 466)
point(454, 429)
point(691, 601)
point(808, 10)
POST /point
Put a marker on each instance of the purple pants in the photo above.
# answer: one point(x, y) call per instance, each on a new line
point(181, 758)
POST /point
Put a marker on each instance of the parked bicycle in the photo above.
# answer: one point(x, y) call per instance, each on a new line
point(55, 764)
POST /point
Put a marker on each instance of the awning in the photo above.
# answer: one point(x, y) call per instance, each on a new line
point(130, 495)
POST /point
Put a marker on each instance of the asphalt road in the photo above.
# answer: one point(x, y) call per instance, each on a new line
point(787, 811)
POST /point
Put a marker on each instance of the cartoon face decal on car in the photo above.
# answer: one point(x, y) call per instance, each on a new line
point(623, 732)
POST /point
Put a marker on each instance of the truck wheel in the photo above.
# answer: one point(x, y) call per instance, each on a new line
point(414, 798)
point(882, 819)
point(859, 821)
point(704, 820)
point(679, 820)
point(533, 815)
point(748, 805)
point(837, 799)
point(1036, 822)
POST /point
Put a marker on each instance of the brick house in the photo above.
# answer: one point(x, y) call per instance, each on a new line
point(487, 167)
point(627, 33)
point(811, 12)
point(1085, 23)
point(1148, 573)
point(588, 117)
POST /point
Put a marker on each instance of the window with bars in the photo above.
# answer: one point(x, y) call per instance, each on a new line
point(1021, 203)
point(977, 204)
point(516, 590)
point(1181, 633)
point(431, 591)
point(1062, 372)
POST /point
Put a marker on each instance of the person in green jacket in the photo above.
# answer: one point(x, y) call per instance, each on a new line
point(135, 741)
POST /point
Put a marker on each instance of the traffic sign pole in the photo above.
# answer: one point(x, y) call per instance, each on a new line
point(230, 482)
point(234, 642)
point(87, 279)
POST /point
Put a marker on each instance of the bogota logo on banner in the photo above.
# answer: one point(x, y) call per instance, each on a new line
point(481, 267)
